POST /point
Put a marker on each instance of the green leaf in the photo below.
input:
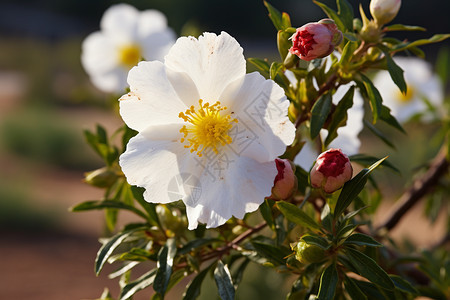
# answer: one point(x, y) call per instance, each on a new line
point(443, 64)
point(403, 285)
point(150, 208)
point(352, 188)
point(319, 114)
point(165, 263)
point(340, 115)
point(107, 248)
point(400, 27)
point(141, 283)
point(260, 64)
point(297, 216)
point(361, 239)
point(285, 20)
point(194, 288)
point(95, 205)
point(274, 254)
point(317, 240)
point(266, 212)
point(378, 134)
point(374, 97)
point(284, 43)
point(345, 231)
point(353, 290)
point(368, 268)
point(345, 12)
point(350, 36)
point(328, 283)
point(434, 39)
point(223, 281)
point(238, 274)
point(193, 244)
point(388, 118)
point(122, 270)
point(396, 74)
point(367, 160)
point(275, 16)
point(347, 53)
point(275, 67)
point(331, 14)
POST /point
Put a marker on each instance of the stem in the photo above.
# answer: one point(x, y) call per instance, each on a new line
point(419, 188)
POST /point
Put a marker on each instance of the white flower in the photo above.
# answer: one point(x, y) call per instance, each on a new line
point(126, 36)
point(421, 82)
point(218, 157)
point(347, 139)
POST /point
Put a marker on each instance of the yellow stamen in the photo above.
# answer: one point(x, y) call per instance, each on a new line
point(207, 127)
point(130, 55)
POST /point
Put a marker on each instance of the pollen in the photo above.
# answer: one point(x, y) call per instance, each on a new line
point(405, 98)
point(208, 127)
point(130, 55)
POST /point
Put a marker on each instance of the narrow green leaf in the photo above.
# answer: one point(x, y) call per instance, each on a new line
point(194, 244)
point(319, 114)
point(107, 248)
point(285, 20)
point(443, 64)
point(239, 273)
point(223, 281)
point(367, 160)
point(396, 74)
point(141, 283)
point(194, 288)
point(328, 283)
point(273, 253)
point(266, 212)
point(403, 285)
point(260, 64)
point(340, 115)
point(284, 43)
point(150, 208)
point(347, 53)
point(102, 136)
point(122, 270)
point(297, 216)
point(353, 290)
point(345, 231)
point(400, 27)
point(434, 39)
point(388, 118)
point(275, 67)
point(96, 205)
point(331, 14)
point(165, 263)
point(352, 188)
point(374, 97)
point(345, 12)
point(351, 36)
point(275, 16)
point(361, 239)
point(371, 290)
point(368, 268)
point(378, 134)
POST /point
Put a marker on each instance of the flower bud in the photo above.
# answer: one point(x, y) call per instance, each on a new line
point(103, 177)
point(307, 253)
point(315, 40)
point(285, 183)
point(331, 171)
point(384, 11)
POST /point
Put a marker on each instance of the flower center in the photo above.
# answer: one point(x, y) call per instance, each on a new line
point(207, 128)
point(405, 98)
point(130, 55)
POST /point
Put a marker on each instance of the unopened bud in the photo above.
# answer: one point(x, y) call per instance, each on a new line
point(331, 171)
point(307, 253)
point(103, 177)
point(285, 183)
point(315, 40)
point(384, 11)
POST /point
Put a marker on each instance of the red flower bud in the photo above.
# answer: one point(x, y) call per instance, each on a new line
point(315, 40)
point(285, 183)
point(331, 171)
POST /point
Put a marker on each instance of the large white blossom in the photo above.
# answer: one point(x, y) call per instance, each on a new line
point(126, 36)
point(423, 85)
point(347, 139)
point(208, 132)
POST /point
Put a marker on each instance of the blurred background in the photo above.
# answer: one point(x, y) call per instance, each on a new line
point(46, 100)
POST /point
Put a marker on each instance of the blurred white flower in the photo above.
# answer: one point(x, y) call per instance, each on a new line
point(422, 84)
point(126, 36)
point(218, 157)
point(347, 139)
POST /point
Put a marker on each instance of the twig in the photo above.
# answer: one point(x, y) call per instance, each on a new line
point(418, 189)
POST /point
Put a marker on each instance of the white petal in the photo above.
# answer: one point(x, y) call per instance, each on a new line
point(114, 81)
point(157, 44)
point(151, 21)
point(241, 190)
point(119, 22)
point(263, 130)
point(152, 99)
point(98, 54)
point(211, 61)
point(307, 156)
